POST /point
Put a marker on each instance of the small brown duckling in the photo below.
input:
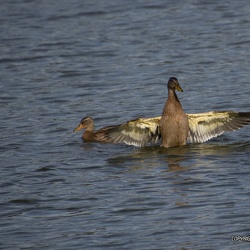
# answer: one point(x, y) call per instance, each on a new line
point(89, 134)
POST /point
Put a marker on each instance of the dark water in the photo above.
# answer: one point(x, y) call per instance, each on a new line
point(63, 60)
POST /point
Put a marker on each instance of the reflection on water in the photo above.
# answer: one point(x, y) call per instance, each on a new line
point(174, 157)
point(177, 158)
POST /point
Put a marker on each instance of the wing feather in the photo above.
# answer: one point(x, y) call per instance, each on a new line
point(204, 126)
point(138, 132)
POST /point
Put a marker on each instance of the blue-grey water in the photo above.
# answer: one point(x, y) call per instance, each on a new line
point(63, 60)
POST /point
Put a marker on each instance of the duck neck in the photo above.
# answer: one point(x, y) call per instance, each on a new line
point(172, 102)
point(88, 135)
point(89, 132)
point(173, 94)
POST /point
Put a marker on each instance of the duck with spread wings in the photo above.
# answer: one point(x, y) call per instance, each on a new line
point(175, 127)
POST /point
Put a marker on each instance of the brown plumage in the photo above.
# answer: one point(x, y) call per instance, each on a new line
point(89, 134)
point(174, 122)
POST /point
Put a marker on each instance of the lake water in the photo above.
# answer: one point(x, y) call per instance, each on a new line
point(63, 60)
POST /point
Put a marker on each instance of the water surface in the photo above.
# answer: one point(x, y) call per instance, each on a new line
point(61, 61)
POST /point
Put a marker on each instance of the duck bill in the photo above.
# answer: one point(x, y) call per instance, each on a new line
point(78, 128)
point(179, 88)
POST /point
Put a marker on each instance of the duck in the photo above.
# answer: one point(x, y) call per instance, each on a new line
point(90, 135)
point(174, 121)
point(174, 127)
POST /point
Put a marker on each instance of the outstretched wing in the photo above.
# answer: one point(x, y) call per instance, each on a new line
point(138, 132)
point(204, 126)
point(102, 135)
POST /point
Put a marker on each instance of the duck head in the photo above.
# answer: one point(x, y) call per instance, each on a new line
point(173, 84)
point(86, 123)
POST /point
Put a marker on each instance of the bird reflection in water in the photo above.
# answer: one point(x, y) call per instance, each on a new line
point(174, 157)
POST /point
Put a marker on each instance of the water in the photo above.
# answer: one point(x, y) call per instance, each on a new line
point(63, 60)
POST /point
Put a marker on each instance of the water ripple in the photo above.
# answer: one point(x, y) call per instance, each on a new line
point(64, 60)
